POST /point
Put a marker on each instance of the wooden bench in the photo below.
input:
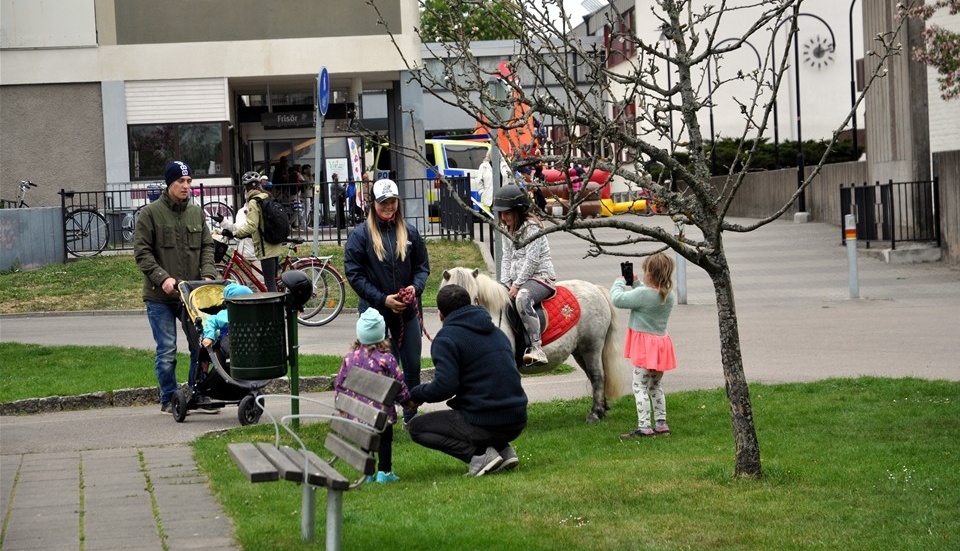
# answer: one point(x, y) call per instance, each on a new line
point(353, 439)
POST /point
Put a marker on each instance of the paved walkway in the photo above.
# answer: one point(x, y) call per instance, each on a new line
point(124, 478)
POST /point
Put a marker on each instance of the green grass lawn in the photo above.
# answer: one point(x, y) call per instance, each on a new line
point(115, 283)
point(866, 464)
point(35, 371)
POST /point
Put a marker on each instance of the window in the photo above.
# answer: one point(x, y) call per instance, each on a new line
point(618, 39)
point(152, 146)
point(625, 117)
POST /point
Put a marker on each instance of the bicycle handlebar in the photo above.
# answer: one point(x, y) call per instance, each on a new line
point(27, 183)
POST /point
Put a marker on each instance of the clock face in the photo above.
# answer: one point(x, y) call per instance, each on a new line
point(818, 52)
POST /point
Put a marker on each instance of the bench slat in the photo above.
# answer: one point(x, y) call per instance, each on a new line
point(361, 411)
point(364, 437)
point(288, 469)
point(332, 478)
point(320, 473)
point(379, 388)
point(360, 460)
point(254, 465)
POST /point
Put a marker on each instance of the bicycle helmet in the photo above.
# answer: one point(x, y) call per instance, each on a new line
point(511, 197)
point(251, 178)
point(299, 288)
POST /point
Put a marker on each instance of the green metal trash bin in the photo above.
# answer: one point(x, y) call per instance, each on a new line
point(258, 344)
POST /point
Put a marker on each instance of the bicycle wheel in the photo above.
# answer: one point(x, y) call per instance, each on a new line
point(329, 293)
point(235, 276)
point(216, 209)
point(86, 232)
point(128, 225)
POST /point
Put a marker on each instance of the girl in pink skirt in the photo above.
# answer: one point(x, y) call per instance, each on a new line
point(648, 345)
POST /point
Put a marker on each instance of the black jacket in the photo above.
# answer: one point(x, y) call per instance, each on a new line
point(372, 279)
point(475, 371)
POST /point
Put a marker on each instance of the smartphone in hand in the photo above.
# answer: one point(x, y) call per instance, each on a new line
point(626, 270)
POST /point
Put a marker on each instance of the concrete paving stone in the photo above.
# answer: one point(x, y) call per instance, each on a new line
point(39, 500)
point(177, 515)
point(111, 487)
point(122, 500)
point(113, 453)
point(44, 546)
point(204, 544)
point(67, 473)
point(103, 518)
point(42, 534)
point(199, 528)
point(142, 541)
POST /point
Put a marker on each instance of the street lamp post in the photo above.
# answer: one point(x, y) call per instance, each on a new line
point(801, 200)
point(853, 85)
point(665, 38)
point(713, 136)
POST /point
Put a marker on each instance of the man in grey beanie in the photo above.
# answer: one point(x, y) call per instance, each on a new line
point(172, 243)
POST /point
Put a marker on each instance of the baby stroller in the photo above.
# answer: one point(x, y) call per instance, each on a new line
point(212, 378)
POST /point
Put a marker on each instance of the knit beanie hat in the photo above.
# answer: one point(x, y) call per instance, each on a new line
point(176, 170)
point(235, 289)
point(371, 328)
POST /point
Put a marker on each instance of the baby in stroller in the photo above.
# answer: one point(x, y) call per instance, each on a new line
point(213, 385)
point(216, 328)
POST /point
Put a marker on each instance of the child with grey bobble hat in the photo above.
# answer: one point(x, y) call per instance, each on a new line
point(371, 351)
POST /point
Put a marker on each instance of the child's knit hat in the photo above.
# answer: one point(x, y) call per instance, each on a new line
point(371, 328)
point(235, 289)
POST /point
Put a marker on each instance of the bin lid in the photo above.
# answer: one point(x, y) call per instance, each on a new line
point(257, 297)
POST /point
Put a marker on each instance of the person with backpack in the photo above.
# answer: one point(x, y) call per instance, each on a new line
point(267, 224)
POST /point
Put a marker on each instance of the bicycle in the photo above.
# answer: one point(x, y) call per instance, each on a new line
point(85, 230)
point(329, 291)
point(20, 203)
point(212, 211)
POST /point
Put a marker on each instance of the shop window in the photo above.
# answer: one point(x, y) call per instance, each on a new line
point(200, 145)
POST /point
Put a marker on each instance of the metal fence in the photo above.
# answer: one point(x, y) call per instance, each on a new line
point(893, 212)
point(96, 222)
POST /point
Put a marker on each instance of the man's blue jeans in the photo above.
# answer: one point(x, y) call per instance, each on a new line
point(163, 317)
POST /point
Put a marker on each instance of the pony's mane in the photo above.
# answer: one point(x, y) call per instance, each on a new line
point(491, 294)
point(483, 289)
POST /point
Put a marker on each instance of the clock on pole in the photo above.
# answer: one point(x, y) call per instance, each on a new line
point(818, 52)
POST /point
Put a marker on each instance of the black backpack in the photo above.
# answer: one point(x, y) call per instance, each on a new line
point(274, 222)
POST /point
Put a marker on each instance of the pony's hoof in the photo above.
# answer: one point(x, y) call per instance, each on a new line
point(593, 417)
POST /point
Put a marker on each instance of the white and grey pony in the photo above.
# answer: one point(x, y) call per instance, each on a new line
point(592, 341)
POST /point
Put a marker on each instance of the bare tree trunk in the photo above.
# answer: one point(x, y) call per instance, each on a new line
point(747, 460)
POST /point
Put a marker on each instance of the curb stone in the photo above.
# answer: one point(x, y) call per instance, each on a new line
point(146, 396)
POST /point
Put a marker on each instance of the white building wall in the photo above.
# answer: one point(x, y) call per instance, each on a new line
point(47, 24)
point(170, 101)
point(824, 88)
point(944, 115)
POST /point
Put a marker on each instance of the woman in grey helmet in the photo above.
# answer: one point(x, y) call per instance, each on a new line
point(527, 271)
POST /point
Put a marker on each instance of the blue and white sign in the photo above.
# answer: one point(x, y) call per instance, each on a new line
point(323, 91)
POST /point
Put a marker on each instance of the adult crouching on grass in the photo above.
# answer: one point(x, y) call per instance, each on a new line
point(476, 373)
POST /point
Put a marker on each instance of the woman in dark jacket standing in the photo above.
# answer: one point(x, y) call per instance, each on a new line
point(387, 266)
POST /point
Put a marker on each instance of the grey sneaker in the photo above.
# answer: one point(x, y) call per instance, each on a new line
point(534, 355)
point(483, 464)
point(166, 408)
point(205, 405)
point(510, 460)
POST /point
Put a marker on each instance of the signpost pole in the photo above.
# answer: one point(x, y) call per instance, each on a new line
point(323, 102)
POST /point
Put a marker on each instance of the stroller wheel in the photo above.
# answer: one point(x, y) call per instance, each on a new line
point(249, 412)
point(179, 406)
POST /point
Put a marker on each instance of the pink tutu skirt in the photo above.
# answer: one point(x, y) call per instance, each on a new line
point(654, 352)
